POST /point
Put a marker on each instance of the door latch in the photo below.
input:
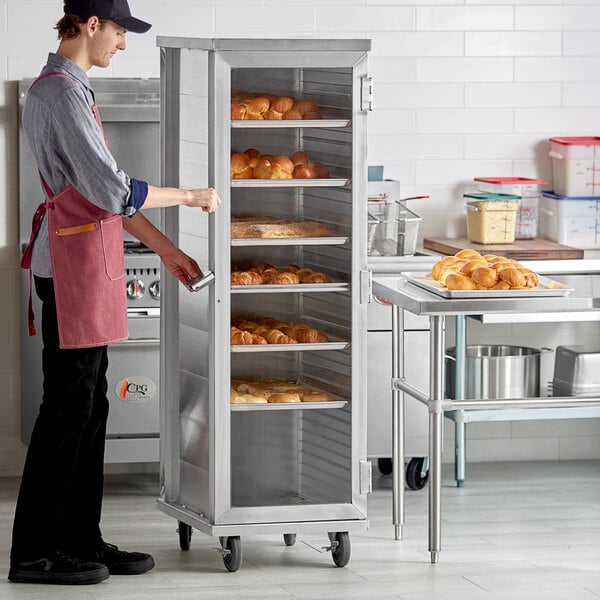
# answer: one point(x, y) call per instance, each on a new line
point(366, 95)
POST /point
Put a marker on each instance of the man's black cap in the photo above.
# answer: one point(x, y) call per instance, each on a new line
point(110, 10)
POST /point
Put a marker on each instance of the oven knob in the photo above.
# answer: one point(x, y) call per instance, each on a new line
point(154, 289)
point(135, 288)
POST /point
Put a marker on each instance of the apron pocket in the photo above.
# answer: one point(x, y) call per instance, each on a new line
point(112, 245)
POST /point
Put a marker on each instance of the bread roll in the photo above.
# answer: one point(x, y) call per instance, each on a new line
point(282, 104)
point(512, 276)
point(284, 162)
point(261, 170)
point(282, 397)
point(307, 335)
point(468, 253)
point(315, 277)
point(245, 278)
point(469, 266)
point(442, 264)
point(321, 171)
point(258, 339)
point(501, 285)
point(239, 337)
point(458, 281)
point(454, 267)
point(315, 396)
point(256, 107)
point(240, 97)
point(300, 158)
point(312, 115)
point(239, 398)
point(252, 153)
point(238, 112)
point(292, 114)
point(286, 277)
point(485, 276)
point(304, 172)
point(240, 168)
point(272, 115)
point(275, 336)
point(306, 105)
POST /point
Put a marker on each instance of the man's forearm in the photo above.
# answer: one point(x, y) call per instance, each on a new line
point(143, 230)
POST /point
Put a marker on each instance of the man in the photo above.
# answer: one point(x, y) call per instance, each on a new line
point(76, 257)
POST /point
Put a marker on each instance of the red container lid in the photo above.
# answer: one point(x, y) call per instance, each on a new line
point(585, 140)
point(510, 180)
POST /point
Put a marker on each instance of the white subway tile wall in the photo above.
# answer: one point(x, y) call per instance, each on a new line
point(463, 88)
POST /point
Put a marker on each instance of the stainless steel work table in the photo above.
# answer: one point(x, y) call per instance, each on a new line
point(405, 295)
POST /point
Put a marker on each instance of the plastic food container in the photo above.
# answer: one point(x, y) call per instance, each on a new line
point(576, 165)
point(530, 191)
point(491, 218)
point(576, 371)
point(569, 220)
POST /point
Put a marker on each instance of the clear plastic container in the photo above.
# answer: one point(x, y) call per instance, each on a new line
point(491, 218)
point(530, 191)
point(576, 165)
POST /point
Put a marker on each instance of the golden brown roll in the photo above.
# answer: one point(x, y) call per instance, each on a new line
point(300, 158)
point(284, 162)
point(531, 278)
point(291, 267)
point(512, 276)
point(458, 281)
point(501, 285)
point(315, 396)
point(258, 339)
point(306, 334)
point(282, 104)
point(259, 267)
point(468, 253)
point(240, 398)
point(455, 267)
point(272, 115)
point(304, 172)
point(469, 266)
point(292, 114)
point(239, 97)
point(275, 336)
point(306, 105)
point(285, 277)
point(245, 278)
point(238, 112)
point(485, 276)
point(256, 107)
point(282, 397)
point(252, 153)
point(269, 274)
point(261, 170)
point(245, 325)
point(277, 171)
point(240, 168)
point(442, 264)
point(239, 337)
point(321, 171)
point(315, 277)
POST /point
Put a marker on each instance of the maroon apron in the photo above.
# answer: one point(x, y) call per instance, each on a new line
point(88, 270)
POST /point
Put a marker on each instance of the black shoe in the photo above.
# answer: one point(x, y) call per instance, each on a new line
point(120, 562)
point(60, 568)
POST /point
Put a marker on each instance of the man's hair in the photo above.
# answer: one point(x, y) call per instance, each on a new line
point(69, 27)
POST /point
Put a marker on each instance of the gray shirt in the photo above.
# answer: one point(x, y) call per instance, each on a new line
point(69, 148)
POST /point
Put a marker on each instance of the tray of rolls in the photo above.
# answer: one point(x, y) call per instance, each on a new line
point(262, 277)
point(268, 334)
point(469, 274)
point(279, 394)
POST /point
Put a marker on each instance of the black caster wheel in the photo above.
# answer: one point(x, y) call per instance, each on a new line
point(185, 535)
point(416, 478)
point(385, 466)
point(232, 557)
point(341, 551)
point(289, 539)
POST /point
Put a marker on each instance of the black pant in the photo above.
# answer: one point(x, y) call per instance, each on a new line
point(60, 499)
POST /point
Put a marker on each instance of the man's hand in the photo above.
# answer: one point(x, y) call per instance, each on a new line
point(205, 198)
point(181, 265)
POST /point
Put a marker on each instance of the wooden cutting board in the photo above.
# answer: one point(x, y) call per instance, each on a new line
point(519, 250)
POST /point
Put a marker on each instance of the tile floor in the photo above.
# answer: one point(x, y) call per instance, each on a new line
point(516, 531)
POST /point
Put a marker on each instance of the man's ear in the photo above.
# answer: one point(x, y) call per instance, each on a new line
point(92, 26)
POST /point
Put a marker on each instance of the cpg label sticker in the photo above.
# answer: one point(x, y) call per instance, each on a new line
point(134, 390)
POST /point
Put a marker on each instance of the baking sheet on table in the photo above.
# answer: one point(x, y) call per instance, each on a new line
point(546, 287)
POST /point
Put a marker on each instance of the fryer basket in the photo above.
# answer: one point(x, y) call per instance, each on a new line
point(393, 229)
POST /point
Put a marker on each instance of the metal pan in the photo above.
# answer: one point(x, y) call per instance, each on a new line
point(546, 287)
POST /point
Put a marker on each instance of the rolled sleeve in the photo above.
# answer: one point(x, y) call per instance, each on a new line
point(137, 197)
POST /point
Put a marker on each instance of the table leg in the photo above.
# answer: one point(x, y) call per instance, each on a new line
point(460, 428)
point(436, 418)
point(398, 474)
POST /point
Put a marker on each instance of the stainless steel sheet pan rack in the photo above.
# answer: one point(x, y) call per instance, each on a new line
point(231, 470)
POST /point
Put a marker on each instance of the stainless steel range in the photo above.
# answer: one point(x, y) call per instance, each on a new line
point(131, 116)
